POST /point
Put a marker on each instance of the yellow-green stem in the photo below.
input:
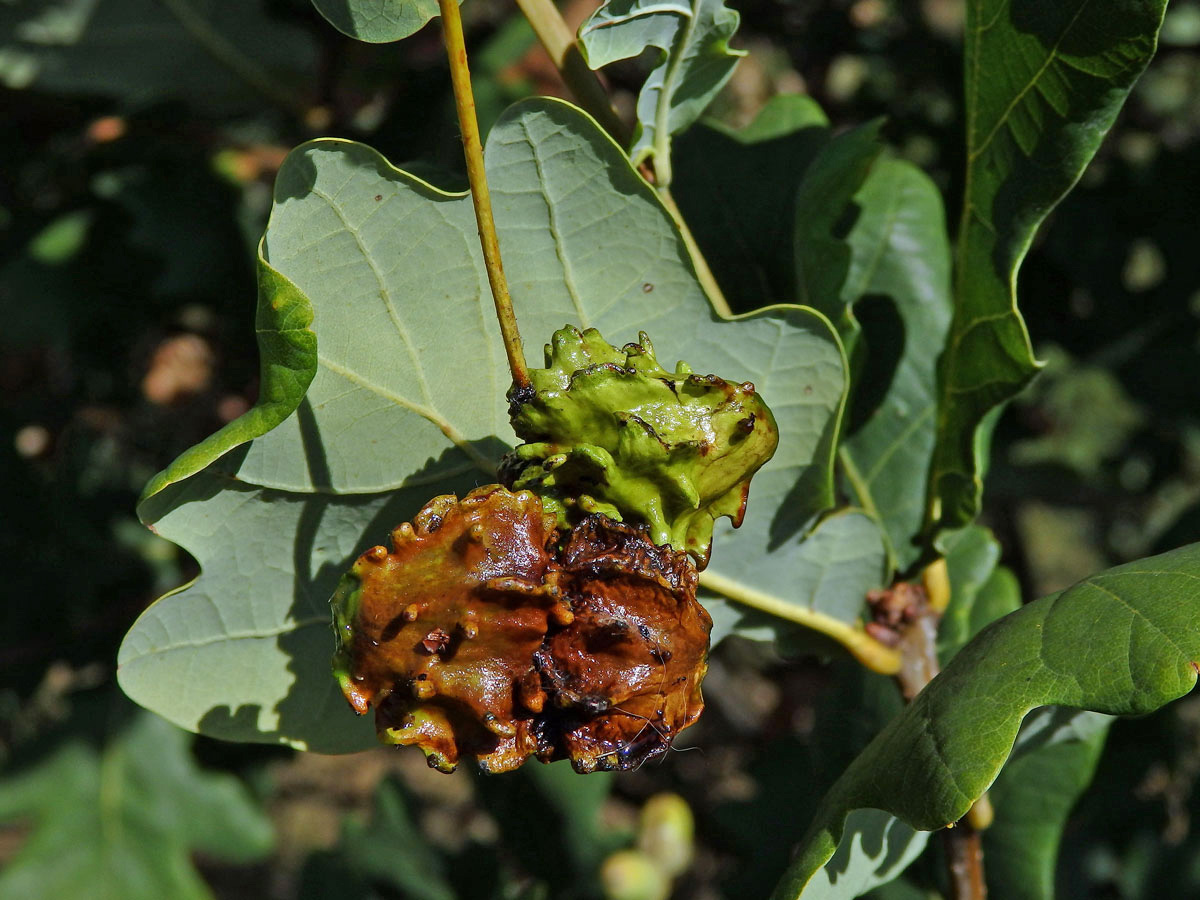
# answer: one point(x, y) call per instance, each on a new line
point(558, 41)
point(935, 578)
point(464, 102)
point(708, 281)
point(868, 651)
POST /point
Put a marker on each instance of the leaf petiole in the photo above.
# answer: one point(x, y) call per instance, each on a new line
point(464, 102)
point(868, 651)
point(556, 38)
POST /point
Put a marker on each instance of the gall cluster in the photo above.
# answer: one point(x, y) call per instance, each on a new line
point(556, 616)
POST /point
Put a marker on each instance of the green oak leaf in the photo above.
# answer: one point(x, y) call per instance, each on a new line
point(1052, 763)
point(695, 62)
point(822, 255)
point(1044, 82)
point(897, 303)
point(203, 52)
point(849, 711)
point(980, 590)
point(867, 234)
point(121, 824)
point(737, 192)
point(408, 402)
point(377, 21)
point(876, 846)
point(288, 351)
point(1123, 642)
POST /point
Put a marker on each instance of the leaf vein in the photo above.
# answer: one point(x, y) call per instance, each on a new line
point(1138, 614)
point(384, 292)
point(555, 232)
point(426, 412)
point(1021, 94)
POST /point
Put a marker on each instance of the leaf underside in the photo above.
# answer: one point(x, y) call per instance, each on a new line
point(694, 64)
point(377, 21)
point(897, 289)
point(1044, 82)
point(778, 189)
point(407, 402)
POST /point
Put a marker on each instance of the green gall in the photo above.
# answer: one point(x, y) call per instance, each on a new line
point(611, 431)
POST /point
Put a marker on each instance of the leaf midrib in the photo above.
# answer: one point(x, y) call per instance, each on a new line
point(1051, 57)
point(662, 115)
point(426, 412)
point(384, 292)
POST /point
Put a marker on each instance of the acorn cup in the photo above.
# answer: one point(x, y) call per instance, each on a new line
point(558, 618)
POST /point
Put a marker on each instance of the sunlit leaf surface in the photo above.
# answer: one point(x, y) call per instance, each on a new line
point(1044, 82)
point(408, 402)
point(1123, 642)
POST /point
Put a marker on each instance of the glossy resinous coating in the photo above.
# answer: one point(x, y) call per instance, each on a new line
point(478, 636)
point(559, 619)
point(609, 430)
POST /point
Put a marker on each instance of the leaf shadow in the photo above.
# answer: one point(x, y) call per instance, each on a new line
point(739, 199)
point(884, 337)
point(298, 175)
point(313, 714)
point(881, 838)
point(807, 498)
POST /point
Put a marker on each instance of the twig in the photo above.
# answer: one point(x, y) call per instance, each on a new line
point(964, 851)
point(868, 651)
point(464, 102)
point(919, 666)
point(918, 654)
